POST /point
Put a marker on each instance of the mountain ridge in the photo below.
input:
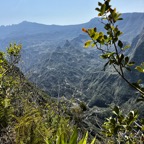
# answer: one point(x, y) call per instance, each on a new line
point(30, 28)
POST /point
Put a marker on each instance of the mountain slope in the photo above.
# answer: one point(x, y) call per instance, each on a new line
point(63, 67)
point(62, 71)
point(70, 70)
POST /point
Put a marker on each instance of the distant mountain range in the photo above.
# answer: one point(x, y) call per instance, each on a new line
point(132, 24)
point(53, 57)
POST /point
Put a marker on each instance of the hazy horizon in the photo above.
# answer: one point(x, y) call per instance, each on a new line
point(59, 12)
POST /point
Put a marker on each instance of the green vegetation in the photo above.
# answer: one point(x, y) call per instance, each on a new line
point(29, 116)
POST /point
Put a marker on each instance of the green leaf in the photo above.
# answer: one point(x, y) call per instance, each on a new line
point(97, 9)
point(119, 33)
point(115, 39)
point(132, 116)
point(96, 35)
point(107, 55)
point(120, 19)
point(88, 43)
point(126, 60)
point(131, 63)
point(62, 139)
point(1, 75)
point(99, 3)
point(139, 69)
point(142, 128)
point(121, 56)
point(107, 26)
point(93, 141)
point(93, 45)
point(58, 140)
point(73, 139)
point(84, 139)
point(103, 7)
point(93, 34)
point(95, 29)
point(120, 44)
point(116, 110)
point(105, 37)
point(6, 102)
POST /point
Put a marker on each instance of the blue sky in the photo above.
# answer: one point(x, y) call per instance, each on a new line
point(62, 12)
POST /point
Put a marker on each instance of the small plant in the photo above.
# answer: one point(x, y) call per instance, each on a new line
point(122, 128)
point(74, 139)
